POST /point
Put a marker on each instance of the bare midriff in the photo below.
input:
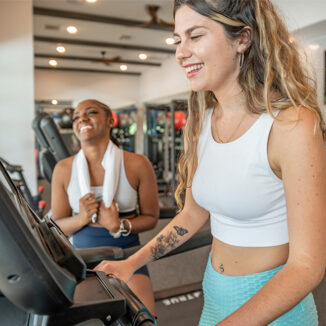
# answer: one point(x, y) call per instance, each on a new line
point(236, 261)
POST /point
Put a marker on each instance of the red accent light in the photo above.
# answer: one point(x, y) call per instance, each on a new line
point(41, 204)
point(115, 119)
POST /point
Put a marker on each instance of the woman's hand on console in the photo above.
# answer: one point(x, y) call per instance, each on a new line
point(122, 269)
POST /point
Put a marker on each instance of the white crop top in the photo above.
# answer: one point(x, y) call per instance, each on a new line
point(236, 184)
point(126, 195)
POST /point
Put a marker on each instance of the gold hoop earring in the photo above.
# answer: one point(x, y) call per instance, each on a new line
point(241, 59)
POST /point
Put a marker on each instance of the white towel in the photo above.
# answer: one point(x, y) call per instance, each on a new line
point(111, 163)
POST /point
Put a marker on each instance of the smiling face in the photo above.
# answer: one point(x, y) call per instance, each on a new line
point(208, 57)
point(91, 122)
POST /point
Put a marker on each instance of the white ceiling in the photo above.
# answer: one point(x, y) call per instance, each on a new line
point(297, 13)
point(103, 32)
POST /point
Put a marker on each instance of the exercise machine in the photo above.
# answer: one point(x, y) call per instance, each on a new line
point(164, 143)
point(44, 281)
point(16, 172)
point(53, 146)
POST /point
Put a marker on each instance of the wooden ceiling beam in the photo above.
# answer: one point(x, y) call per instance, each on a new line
point(93, 59)
point(88, 70)
point(102, 44)
point(97, 18)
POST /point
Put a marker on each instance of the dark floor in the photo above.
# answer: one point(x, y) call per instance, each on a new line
point(320, 299)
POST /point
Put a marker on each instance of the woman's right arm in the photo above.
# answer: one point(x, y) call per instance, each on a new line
point(179, 230)
point(61, 210)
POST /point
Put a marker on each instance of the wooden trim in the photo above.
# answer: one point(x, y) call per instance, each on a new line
point(101, 44)
point(97, 18)
point(89, 70)
point(93, 59)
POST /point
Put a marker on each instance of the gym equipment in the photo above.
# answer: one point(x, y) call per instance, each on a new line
point(44, 281)
point(65, 118)
point(49, 136)
point(124, 128)
point(163, 144)
point(179, 119)
point(54, 148)
point(16, 171)
point(115, 119)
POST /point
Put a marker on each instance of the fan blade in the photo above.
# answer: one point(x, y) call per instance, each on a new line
point(108, 61)
point(114, 59)
point(151, 22)
point(164, 23)
point(152, 10)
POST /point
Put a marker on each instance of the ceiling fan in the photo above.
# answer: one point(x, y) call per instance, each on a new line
point(155, 20)
point(107, 61)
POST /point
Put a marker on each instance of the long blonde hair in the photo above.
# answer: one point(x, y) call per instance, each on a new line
point(272, 64)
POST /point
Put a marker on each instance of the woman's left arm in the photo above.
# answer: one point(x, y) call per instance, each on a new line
point(147, 195)
point(302, 160)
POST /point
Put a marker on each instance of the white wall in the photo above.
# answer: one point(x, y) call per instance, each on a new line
point(113, 89)
point(312, 39)
point(167, 82)
point(317, 59)
point(17, 86)
point(301, 13)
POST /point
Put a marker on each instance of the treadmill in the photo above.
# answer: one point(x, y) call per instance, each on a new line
point(44, 281)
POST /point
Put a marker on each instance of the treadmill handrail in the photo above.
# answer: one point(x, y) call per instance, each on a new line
point(97, 254)
point(11, 167)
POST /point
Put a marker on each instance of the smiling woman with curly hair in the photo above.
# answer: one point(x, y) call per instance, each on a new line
point(254, 163)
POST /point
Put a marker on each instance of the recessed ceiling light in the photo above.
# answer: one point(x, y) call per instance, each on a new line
point(314, 46)
point(91, 1)
point(142, 56)
point(123, 67)
point(53, 63)
point(60, 48)
point(54, 102)
point(72, 29)
point(169, 41)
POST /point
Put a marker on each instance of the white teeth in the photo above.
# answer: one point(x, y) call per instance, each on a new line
point(194, 67)
point(85, 128)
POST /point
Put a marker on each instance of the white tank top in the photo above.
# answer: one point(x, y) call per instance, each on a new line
point(236, 184)
point(126, 195)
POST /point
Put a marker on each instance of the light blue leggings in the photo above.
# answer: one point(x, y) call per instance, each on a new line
point(224, 294)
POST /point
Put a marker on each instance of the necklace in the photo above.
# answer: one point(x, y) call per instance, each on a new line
point(234, 131)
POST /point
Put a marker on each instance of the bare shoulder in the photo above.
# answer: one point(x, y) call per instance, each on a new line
point(296, 122)
point(62, 170)
point(64, 164)
point(295, 136)
point(136, 162)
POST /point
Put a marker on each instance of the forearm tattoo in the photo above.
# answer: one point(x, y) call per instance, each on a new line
point(166, 243)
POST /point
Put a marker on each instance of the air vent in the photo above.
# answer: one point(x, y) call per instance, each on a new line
point(76, 2)
point(125, 37)
point(52, 27)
